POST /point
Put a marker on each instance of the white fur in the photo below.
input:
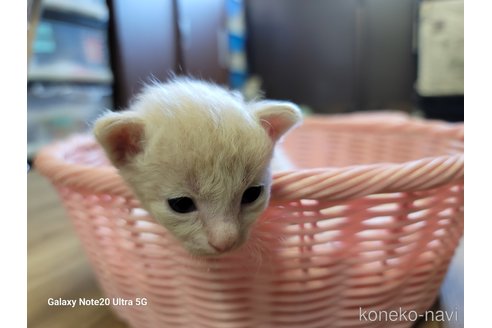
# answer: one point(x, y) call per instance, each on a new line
point(194, 139)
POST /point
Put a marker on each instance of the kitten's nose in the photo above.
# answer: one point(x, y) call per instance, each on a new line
point(223, 236)
point(222, 245)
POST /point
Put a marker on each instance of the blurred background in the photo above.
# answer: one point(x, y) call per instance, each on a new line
point(329, 56)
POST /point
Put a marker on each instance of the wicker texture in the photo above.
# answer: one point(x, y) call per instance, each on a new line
point(370, 223)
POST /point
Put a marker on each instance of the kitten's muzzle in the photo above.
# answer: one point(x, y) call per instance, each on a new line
point(222, 246)
point(223, 238)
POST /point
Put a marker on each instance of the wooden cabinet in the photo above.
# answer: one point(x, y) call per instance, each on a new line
point(335, 56)
point(143, 44)
point(157, 38)
point(201, 26)
point(332, 55)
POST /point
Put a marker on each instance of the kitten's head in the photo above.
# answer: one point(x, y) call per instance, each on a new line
point(197, 156)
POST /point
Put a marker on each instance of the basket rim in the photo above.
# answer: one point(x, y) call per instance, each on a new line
point(322, 184)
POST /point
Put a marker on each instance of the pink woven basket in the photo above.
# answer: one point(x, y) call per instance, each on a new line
point(369, 223)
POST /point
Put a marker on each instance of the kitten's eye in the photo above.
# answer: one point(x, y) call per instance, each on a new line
point(251, 194)
point(182, 204)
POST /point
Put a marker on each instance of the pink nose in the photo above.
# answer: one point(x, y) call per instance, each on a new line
point(223, 245)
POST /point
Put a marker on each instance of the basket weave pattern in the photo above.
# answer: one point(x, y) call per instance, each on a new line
point(370, 223)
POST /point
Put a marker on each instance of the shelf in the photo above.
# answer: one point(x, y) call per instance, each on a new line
point(57, 111)
point(65, 51)
point(69, 73)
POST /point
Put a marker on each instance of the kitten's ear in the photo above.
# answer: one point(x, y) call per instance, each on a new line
point(121, 135)
point(277, 117)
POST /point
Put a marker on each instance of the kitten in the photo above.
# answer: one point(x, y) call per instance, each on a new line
point(198, 158)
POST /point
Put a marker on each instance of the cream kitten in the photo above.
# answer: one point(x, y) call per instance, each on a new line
point(198, 158)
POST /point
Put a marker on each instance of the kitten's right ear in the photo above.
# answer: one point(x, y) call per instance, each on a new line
point(121, 135)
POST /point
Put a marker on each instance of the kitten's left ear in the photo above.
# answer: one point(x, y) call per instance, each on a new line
point(277, 117)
